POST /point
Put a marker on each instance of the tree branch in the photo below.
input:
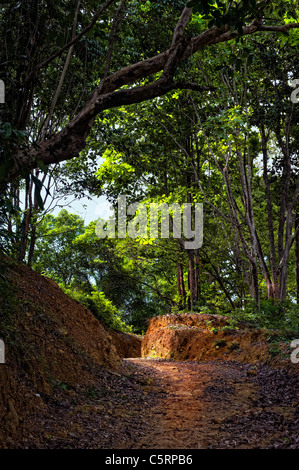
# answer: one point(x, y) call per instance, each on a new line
point(62, 78)
point(69, 44)
point(71, 139)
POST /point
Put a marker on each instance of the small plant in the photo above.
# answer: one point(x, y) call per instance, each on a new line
point(283, 316)
point(229, 328)
point(93, 392)
point(174, 310)
point(65, 386)
point(220, 343)
point(101, 307)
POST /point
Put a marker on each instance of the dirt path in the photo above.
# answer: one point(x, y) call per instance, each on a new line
point(162, 404)
point(218, 405)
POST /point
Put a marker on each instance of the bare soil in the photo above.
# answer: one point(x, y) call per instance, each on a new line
point(215, 405)
point(163, 404)
point(54, 348)
point(65, 384)
point(201, 337)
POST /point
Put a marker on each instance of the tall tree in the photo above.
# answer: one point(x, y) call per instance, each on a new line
point(219, 22)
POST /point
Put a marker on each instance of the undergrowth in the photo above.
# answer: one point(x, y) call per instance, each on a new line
point(280, 318)
point(100, 306)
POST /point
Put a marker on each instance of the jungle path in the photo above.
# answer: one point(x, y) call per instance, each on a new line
point(162, 404)
point(217, 405)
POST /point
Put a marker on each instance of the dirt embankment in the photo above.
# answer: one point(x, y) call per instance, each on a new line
point(126, 344)
point(64, 383)
point(50, 340)
point(200, 337)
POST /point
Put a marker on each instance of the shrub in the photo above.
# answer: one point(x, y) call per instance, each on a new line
point(101, 307)
point(283, 316)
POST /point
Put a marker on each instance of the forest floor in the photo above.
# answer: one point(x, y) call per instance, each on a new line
point(219, 405)
point(64, 384)
point(162, 404)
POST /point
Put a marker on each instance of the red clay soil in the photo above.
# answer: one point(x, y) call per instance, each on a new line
point(64, 385)
point(52, 342)
point(159, 404)
point(127, 345)
point(200, 337)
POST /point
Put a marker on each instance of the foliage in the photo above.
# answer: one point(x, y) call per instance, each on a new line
point(9, 301)
point(101, 307)
point(231, 145)
point(71, 254)
point(221, 13)
point(283, 316)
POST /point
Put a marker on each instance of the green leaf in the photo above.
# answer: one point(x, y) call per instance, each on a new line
point(192, 4)
point(5, 167)
point(250, 59)
point(8, 205)
point(245, 55)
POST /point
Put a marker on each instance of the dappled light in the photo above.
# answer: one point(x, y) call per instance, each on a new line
point(149, 227)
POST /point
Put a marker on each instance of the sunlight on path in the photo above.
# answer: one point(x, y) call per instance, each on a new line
point(199, 397)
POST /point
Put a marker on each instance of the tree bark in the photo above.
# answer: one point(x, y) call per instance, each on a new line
point(68, 143)
point(297, 255)
point(31, 246)
point(181, 286)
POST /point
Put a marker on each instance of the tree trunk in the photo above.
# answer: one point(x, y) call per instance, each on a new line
point(31, 246)
point(24, 236)
point(193, 278)
point(297, 255)
point(272, 288)
point(24, 228)
point(181, 286)
point(197, 274)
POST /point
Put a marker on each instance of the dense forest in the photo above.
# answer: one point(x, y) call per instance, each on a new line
point(165, 104)
point(172, 321)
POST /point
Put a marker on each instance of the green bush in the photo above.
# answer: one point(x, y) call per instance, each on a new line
point(283, 316)
point(101, 307)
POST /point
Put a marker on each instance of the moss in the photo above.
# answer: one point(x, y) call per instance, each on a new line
point(275, 350)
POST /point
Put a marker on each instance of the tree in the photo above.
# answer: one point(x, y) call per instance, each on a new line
point(56, 254)
point(51, 114)
point(101, 274)
point(220, 146)
point(146, 160)
point(217, 23)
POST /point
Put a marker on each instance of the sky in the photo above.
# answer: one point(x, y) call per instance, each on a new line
point(88, 209)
